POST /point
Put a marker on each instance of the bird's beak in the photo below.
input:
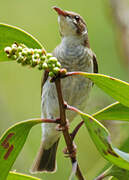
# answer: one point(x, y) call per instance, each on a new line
point(60, 11)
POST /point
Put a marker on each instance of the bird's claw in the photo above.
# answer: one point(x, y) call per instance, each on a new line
point(72, 153)
point(59, 127)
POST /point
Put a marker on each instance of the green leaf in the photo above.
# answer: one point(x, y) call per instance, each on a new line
point(119, 173)
point(113, 178)
point(10, 34)
point(116, 88)
point(101, 139)
point(11, 144)
point(19, 176)
point(116, 173)
point(115, 111)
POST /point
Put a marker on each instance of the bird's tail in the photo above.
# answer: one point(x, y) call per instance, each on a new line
point(46, 159)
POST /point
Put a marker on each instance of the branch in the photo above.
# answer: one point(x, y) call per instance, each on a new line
point(51, 120)
point(75, 131)
point(66, 134)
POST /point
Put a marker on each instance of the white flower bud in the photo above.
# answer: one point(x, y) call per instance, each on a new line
point(45, 66)
point(49, 55)
point(36, 56)
point(53, 59)
point(51, 74)
point(58, 64)
point(56, 70)
point(8, 50)
point(19, 49)
point(24, 52)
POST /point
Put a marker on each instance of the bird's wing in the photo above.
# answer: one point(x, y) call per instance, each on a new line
point(44, 79)
point(95, 64)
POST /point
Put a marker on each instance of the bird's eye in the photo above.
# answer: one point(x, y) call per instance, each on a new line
point(77, 18)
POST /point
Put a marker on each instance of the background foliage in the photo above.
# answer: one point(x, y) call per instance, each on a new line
point(20, 87)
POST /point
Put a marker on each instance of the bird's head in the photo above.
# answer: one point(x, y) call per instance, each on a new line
point(71, 24)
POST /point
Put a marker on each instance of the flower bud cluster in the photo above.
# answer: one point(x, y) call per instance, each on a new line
point(33, 57)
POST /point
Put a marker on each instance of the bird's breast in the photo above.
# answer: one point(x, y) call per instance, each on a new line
point(76, 89)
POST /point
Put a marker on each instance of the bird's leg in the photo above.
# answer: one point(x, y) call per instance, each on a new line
point(59, 127)
point(72, 153)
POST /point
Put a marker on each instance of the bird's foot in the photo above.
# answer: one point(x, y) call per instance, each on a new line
point(59, 127)
point(72, 153)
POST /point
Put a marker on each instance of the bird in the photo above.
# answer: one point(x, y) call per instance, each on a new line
point(74, 54)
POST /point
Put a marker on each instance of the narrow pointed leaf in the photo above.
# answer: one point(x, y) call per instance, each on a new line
point(119, 173)
point(101, 139)
point(115, 111)
point(116, 88)
point(19, 176)
point(10, 34)
point(116, 172)
point(11, 144)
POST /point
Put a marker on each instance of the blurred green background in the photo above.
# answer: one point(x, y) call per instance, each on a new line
point(20, 87)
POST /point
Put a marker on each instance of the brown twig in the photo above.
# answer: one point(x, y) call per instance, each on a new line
point(51, 120)
point(71, 108)
point(75, 131)
point(66, 134)
point(70, 74)
point(103, 175)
